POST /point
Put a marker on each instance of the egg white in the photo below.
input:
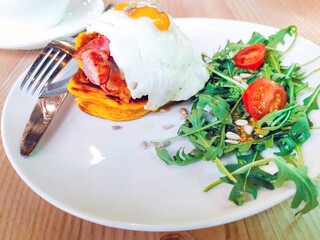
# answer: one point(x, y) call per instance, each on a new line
point(162, 65)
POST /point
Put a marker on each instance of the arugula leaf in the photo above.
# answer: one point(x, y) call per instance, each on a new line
point(218, 105)
point(311, 101)
point(300, 130)
point(272, 56)
point(266, 71)
point(256, 38)
point(286, 146)
point(248, 182)
point(306, 191)
point(164, 155)
point(279, 36)
point(273, 59)
point(228, 65)
point(195, 121)
point(270, 117)
point(213, 153)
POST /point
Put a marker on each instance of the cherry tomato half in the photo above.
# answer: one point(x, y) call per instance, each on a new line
point(250, 57)
point(264, 96)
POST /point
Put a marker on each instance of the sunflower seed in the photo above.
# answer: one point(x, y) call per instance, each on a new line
point(166, 127)
point(245, 75)
point(247, 129)
point(183, 111)
point(237, 78)
point(130, 12)
point(233, 136)
point(116, 127)
point(164, 110)
point(143, 145)
point(164, 144)
point(241, 122)
point(231, 141)
point(134, 85)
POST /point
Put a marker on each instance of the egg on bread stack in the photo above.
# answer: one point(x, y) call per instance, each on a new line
point(133, 59)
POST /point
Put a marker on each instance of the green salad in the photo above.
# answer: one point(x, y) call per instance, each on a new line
point(249, 105)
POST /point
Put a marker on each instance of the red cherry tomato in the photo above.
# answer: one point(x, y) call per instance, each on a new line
point(264, 96)
point(250, 57)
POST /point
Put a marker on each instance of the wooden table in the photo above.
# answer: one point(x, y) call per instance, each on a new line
point(24, 215)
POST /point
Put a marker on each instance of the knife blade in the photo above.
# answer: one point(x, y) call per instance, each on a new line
point(40, 118)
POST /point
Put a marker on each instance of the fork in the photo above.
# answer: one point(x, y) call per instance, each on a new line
point(50, 62)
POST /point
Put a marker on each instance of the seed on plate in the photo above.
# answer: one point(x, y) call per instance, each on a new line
point(164, 144)
point(237, 78)
point(247, 129)
point(231, 141)
point(183, 111)
point(233, 136)
point(166, 127)
point(241, 122)
point(134, 85)
point(154, 143)
point(164, 110)
point(143, 145)
point(116, 127)
point(245, 75)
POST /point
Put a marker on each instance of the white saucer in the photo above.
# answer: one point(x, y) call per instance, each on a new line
point(78, 14)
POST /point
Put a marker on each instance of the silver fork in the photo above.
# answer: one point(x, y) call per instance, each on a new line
point(50, 62)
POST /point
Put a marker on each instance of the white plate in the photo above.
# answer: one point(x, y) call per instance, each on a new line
point(87, 169)
point(78, 15)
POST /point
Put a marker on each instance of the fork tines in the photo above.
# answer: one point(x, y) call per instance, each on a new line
point(49, 63)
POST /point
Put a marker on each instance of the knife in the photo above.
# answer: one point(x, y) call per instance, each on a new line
point(45, 109)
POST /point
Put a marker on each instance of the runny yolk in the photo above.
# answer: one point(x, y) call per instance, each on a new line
point(160, 19)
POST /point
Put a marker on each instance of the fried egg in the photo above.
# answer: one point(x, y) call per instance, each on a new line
point(156, 58)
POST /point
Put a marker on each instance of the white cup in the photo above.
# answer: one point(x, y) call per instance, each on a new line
point(35, 15)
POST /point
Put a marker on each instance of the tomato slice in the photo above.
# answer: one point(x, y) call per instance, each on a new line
point(264, 96)
point(250, 57)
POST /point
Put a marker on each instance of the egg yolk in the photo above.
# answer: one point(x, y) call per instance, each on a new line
point(160, 19)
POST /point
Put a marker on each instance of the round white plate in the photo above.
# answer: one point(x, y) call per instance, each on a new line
point(87, 169)
point(78, 15)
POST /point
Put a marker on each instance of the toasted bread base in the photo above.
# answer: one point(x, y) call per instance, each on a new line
point(93, 100)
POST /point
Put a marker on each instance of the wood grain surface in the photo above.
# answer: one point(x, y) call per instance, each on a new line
point(24, 215)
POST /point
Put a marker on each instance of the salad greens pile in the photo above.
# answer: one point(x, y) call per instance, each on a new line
point(219, 105)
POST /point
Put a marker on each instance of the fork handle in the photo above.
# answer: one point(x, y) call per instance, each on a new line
point(39, 120)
